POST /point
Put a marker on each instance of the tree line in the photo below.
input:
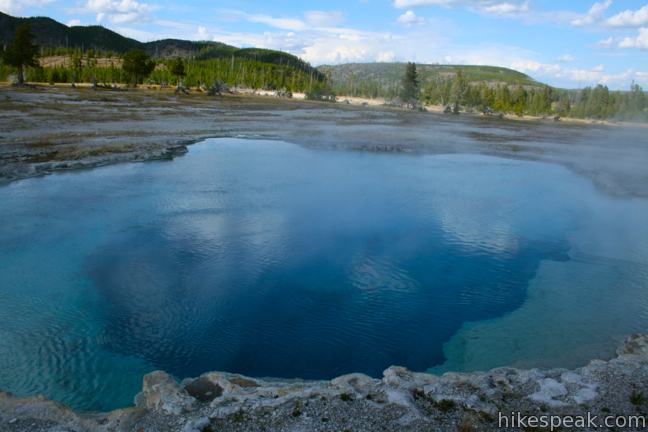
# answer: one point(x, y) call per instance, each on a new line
point(136, 67)
point(458, 93)
point(597, 102)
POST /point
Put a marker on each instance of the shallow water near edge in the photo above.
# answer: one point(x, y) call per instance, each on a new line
point(269, 259)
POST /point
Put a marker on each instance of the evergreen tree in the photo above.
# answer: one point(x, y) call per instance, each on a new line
point(177, 69)
point(431, 93)
point(410, 88)
point(487, 95)
point(637, 99)
point(503, 99)
point(519, 97)
point(547, 98)
point(77, 67)
point(563, 107)
point(459, 89)
point(445, 92)
point(91, 63)
point(21, 52)
point(137, 65)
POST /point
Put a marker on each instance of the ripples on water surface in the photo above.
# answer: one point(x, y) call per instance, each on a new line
point(269, 259)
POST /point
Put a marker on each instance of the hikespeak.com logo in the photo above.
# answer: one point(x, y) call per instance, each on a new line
point(518, 420)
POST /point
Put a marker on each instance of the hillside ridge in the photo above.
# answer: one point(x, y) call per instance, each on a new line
point(51, 34)
point(384, 79)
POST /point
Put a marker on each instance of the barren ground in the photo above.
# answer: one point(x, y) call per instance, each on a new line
point(53, 128)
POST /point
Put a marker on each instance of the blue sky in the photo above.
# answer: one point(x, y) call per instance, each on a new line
point(565, 43)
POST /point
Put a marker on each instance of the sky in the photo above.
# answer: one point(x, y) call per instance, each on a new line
point(563, 43)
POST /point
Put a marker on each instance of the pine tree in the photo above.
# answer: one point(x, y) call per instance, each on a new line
point(177, 69)
point(637, 99)
point(459, 89)
point(137, 65)
point(21, 52)
point(410, 89)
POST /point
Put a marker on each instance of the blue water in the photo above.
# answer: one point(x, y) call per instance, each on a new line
point(267, 259)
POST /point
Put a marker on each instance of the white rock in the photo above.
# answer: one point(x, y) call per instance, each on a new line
point(196, 424)
point(160, 391)
point(550, 389)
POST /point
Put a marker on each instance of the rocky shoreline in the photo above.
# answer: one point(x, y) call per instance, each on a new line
point(19, 171)
point(401, 401)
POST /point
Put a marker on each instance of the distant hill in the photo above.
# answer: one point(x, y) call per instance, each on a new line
point(383, 79)
point(49, 33)
point(52, 34)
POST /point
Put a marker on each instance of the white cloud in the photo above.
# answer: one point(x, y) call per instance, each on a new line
point(566, 58)
point(580, 76)
point(9, 6)
point(314, 39)
point(74, 22)
point(593, 76)
point(625, 77)
point(546, 69)
point(330, 52)
point(629, 18)
point(280, 23)
point(312, 19)
point(641, 41)
point(323, 18)
point(202, 34)
point(334, 45)
point(587, 76)
point(386, 56)
point(505, 8)
point(491, 7)
point(594, 15)
point(14, 7)
point(409, 18)
point(491, 55)
point(606, 43)
point(347, 45)
point(119, 11)
point(411, 3)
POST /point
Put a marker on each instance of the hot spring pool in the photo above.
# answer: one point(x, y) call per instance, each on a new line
point(269, 259)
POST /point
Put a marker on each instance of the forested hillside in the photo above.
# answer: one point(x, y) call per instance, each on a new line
point(49, 33)
point(85, 54)
point(384, 79)
point(56, 39)
point(487, 88)
point(598, 102)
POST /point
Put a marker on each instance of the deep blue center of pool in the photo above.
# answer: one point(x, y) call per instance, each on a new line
point(266, 259)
